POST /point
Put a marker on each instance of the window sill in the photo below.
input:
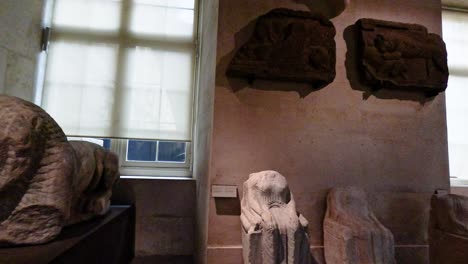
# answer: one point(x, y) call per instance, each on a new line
point(454, 182)
point(175, 178)
point(152, 172)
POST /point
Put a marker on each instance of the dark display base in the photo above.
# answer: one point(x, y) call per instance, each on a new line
point(109, 239)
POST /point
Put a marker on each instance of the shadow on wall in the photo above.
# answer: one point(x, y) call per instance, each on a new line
point(228, 206)
point(353, 73)
point(123, 193)
point(237, 84)
point(328, 8)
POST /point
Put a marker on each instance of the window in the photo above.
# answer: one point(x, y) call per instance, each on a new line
point(455, 26)
point(122, 71)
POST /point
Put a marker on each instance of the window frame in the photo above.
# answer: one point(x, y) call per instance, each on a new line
point(149, 168)
point(120, 145)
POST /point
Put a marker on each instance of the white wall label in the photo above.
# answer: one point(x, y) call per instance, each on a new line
point(225, 191)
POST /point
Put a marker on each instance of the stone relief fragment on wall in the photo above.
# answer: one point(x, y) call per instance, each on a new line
point(272, 230)
point(448, 229)
point(352, 233)
point(402, 56)
point(47, 182)
point(288, 45)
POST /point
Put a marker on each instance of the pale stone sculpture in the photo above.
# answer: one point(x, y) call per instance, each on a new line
point(273, 232)
point(352, 233)
point(46, 182)
point(448, 229)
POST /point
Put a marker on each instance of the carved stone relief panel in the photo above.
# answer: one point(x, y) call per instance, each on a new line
point(402, 56)
point(288, 45)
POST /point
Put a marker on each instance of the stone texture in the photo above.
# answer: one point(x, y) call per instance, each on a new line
point(448, 231)
point(224, 255)
point(402, 56)
point(21, 26)
point(3, 66)
point(285, 46)
point(272, 230)
point(46, 182)
point(352, 233)
point(162, 227)
point(412, 254)
point(410, 227)
point(164, 236)
point(20, 35)
point(19, 76)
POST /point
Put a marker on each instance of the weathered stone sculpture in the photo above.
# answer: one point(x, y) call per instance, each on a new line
point(448, 229)
point(96, 172)
point(402, 56)
point(352, 233)
point(272, 230)
point(45, 181)
point(288, 45)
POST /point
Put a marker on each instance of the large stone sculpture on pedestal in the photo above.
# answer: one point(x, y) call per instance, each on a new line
point(352, 233)
point(448, 229)
point(47, 182)
point(273, 232)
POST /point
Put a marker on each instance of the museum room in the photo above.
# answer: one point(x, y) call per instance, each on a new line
point(234, 131)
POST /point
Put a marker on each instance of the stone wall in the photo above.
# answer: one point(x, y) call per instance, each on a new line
point(393, 144)
point(20, 34)
point(165, 214)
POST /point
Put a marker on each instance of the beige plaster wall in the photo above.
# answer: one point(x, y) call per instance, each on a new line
point(392, 144)
point(20, 31)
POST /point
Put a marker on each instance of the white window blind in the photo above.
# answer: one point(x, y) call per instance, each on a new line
point(455, 34)
point(122, 68)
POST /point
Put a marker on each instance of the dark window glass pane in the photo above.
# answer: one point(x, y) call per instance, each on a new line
point(141, 150)
point(171, 151)
point(106, 143)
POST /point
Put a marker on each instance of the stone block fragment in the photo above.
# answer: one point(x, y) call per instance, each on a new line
point(352, 233)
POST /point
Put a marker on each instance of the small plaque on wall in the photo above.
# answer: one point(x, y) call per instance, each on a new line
point(224, 191)
point(402, 56)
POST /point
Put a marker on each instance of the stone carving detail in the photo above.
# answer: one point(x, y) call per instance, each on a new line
point(272, 230)
point(448, 229)
point(45, 181)
point(402, 56)
point(288, 45)
point(352, 233)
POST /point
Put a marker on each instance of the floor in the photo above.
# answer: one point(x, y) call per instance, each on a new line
point(163, 260)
